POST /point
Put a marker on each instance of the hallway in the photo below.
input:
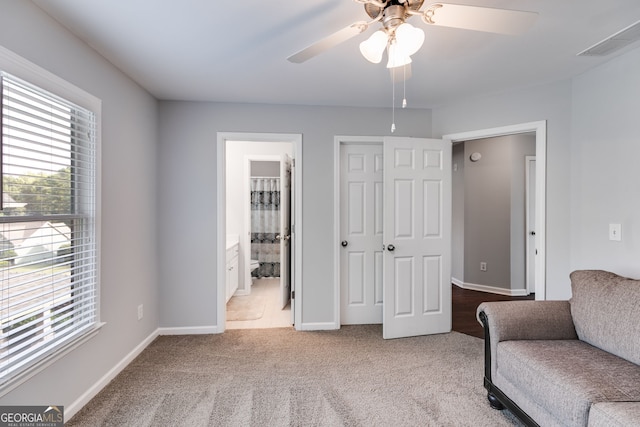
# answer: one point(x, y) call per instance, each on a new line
point(464, 303)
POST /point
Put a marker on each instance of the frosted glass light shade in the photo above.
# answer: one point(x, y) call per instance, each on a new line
point(373, 48)
point(397, 56)
point(409, 38)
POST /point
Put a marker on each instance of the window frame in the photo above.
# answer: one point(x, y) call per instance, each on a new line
point(35, 75)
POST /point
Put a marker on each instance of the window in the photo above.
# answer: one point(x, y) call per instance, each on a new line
point(48, 249)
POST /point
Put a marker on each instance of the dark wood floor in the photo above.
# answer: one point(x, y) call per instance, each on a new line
point(464, 304)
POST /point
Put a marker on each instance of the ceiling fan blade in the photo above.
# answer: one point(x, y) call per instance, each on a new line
point(501, 21)
point(328, 42)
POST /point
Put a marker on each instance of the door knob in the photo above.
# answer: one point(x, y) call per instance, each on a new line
point(344, 243)
point(278, 237)
point(391, 248)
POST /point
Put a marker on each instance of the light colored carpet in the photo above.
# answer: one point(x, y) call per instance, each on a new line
point(280, 377)
point(249, 307)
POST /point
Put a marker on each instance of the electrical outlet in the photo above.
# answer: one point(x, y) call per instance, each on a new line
point(483, 266)
point(140, 312)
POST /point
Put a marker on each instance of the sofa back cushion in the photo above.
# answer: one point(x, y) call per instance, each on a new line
point(606, 312)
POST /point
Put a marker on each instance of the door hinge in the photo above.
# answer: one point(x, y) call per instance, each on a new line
point(293, 163)
point(293, 294)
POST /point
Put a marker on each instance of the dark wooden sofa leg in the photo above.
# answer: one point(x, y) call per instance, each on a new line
point(494, 402)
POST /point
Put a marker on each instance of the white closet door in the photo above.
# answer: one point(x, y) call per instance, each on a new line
point(417, 236)
point(361, 201)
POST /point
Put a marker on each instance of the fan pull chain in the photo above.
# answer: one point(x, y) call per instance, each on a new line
point(404, 87)
point(393, 101)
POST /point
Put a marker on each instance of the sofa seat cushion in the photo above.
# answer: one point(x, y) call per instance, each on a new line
point(566, 376)
point(614, 414)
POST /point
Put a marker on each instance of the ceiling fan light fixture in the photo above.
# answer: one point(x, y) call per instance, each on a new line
point(409, 38)
point(397, 56)
point(373, 48)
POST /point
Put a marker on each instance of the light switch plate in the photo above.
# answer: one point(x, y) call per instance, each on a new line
point(615, 232)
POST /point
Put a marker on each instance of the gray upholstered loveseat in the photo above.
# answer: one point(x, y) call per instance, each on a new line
point(567, 363)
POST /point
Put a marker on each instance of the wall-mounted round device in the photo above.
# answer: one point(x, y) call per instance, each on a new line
point(474, 157)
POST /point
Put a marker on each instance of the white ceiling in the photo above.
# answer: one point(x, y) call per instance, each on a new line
point(235, 51)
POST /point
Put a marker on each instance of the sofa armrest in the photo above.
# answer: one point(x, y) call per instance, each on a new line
point(522, 320)
point(528, 320)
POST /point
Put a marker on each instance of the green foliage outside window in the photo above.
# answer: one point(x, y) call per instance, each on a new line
point(44, 194)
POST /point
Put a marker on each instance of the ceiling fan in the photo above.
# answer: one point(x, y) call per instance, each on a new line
point(400, 39)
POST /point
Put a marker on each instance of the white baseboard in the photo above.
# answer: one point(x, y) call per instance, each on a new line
point(490, 289)
point(71, 410)
point(189, 330)
point(459, 283)
point(320, 326)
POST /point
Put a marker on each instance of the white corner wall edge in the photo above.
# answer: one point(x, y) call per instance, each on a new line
point(72, 409)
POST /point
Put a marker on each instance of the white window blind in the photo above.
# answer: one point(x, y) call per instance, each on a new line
point(48, 260)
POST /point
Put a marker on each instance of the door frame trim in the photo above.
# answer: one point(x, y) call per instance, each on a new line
point(337, 142)
point(221, 220)
point(540, 129)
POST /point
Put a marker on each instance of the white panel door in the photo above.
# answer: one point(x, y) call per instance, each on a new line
point(361, 206)
point(285, 229)
point(417, 236)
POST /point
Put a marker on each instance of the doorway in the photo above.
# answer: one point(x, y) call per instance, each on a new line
point(263, 187)
point(489, 233)
point(539, 239)
point(258, 189)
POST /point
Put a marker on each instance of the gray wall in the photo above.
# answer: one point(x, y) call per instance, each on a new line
point(488, 212)
point(489, 202)
point(592, 173)
point(129, 232)
point(592, 180)
point(188, 161)
point(487, 206)
point(553, 103)
point(263, 169)
point(605, 177)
